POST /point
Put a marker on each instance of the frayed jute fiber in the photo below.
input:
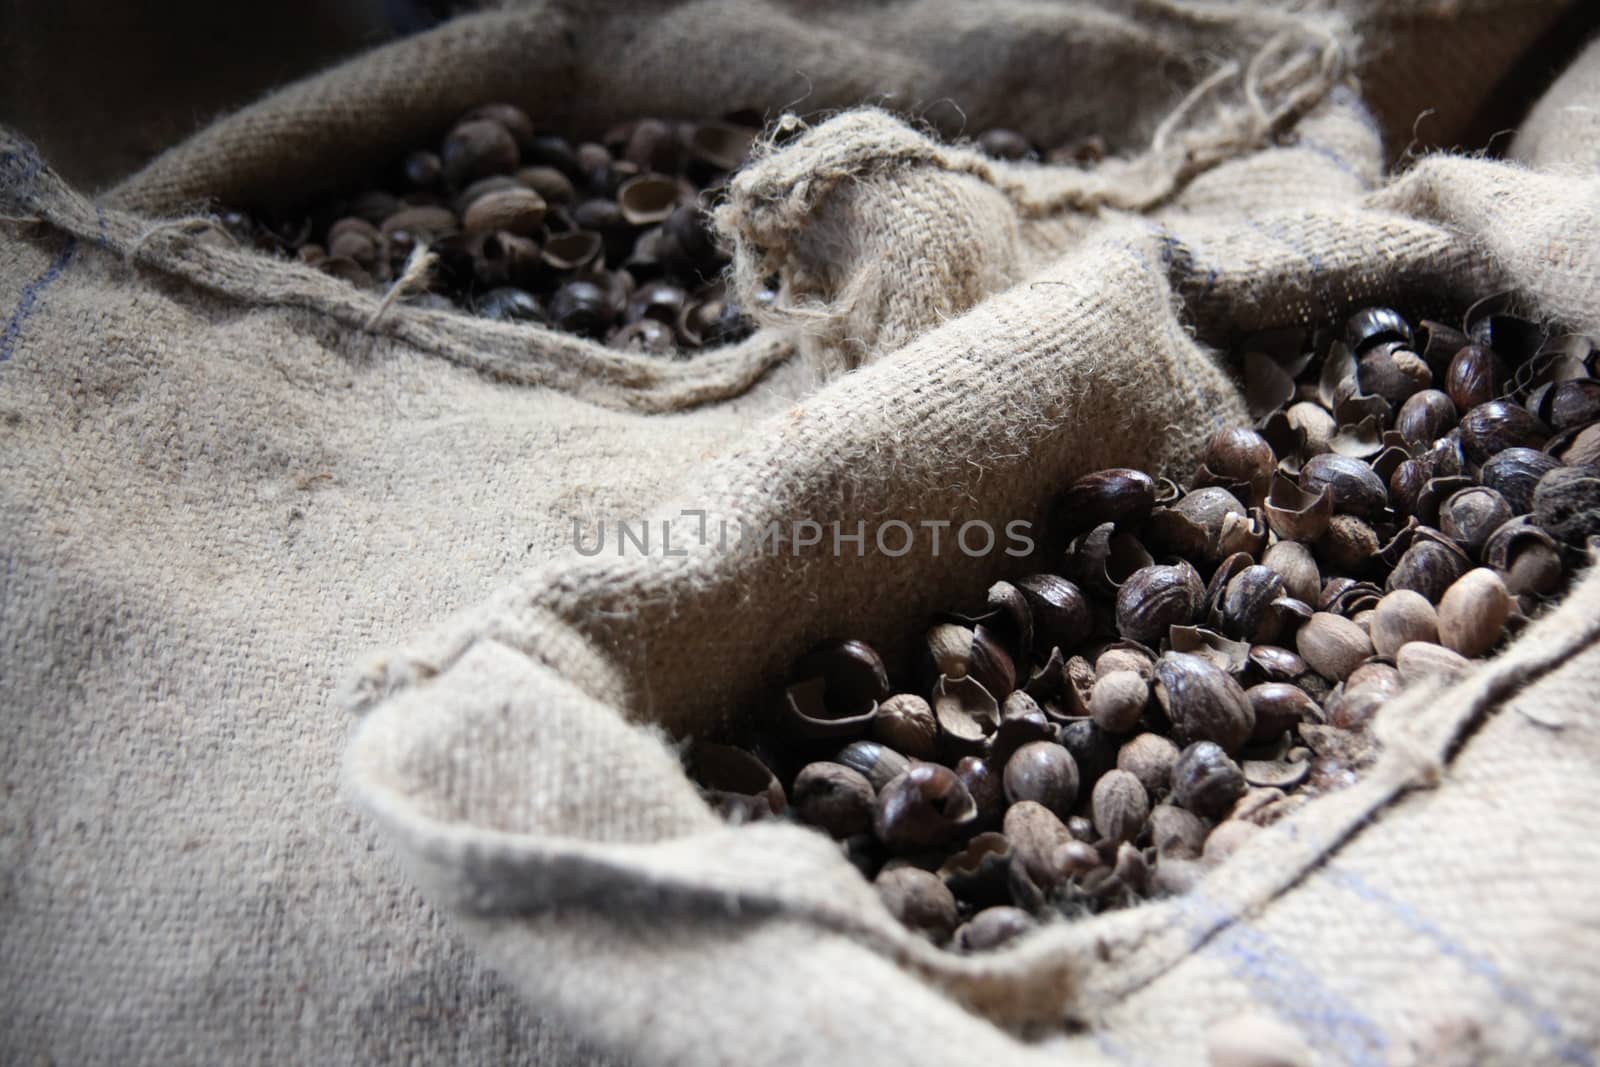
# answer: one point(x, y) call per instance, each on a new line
point(231, 478)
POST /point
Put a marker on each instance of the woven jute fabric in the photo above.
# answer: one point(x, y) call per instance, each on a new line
point(227, 484)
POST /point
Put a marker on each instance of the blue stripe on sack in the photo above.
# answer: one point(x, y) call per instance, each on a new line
point(30, 298)
point(1116, 1050)
point(1346, 98)
point(1280, 981)
point(1570, 1050)
point(1343, 165)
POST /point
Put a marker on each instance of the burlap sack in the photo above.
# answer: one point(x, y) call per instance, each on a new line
point(515, 755)
point(223, 485)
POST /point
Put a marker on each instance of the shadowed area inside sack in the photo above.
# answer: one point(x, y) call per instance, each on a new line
point(1204, 656)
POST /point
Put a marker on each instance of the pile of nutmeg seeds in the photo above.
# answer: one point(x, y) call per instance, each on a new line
point(606, 239)
point(1203, 659)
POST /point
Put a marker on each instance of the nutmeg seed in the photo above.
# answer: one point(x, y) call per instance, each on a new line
point(1403, 616)
point(1120, 806)
point(1333, 645)
point(1473, 613)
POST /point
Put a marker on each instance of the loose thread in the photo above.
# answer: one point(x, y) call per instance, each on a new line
point(180, 226)
point(419, 265)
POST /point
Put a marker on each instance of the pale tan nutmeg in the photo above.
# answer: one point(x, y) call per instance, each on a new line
point(1401, 617)
point(1473, 613)
point(1421, 660)
point(1333, 645)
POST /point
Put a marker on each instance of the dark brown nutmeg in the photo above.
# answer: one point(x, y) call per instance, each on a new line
point(1103, 558)
point(1392, 373)
point(1350, 545)
point(1356, 489)
point(1369, 327)
point(1044, 772)
point(1202, 701)
point(736, 782)
point(1527, 558)
point(905, 722)
point(1405, 485)
point(1514, 472)
point(1239, 456)
point(1206, 781)
point(1471, 515)
point(877, 763)
point(551, 185)
point(582, 307)
point(1429, 568)
point(834, 797)
point(983, 781)
point(1247, 600)
point(919, 900)
point(1093, 750)
point(661, 301)
point(1279, 707)
point(1061, 617)
point(1571, 403)
point(1438, 344)
point(509, 304)
point(1566, 504)
point(923, 808)
point(1476, 376)
point(1497, 425)
point(476, 149)
point(513, 118)
point(991, 665)
point(1156, 598)
point(1425, 417)
point(1294, 514)
point(1434, 493)
point(835, 689)
point(993, 927)
point(1117, 494)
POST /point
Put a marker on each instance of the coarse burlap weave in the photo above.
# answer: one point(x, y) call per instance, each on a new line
point(223, 486)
